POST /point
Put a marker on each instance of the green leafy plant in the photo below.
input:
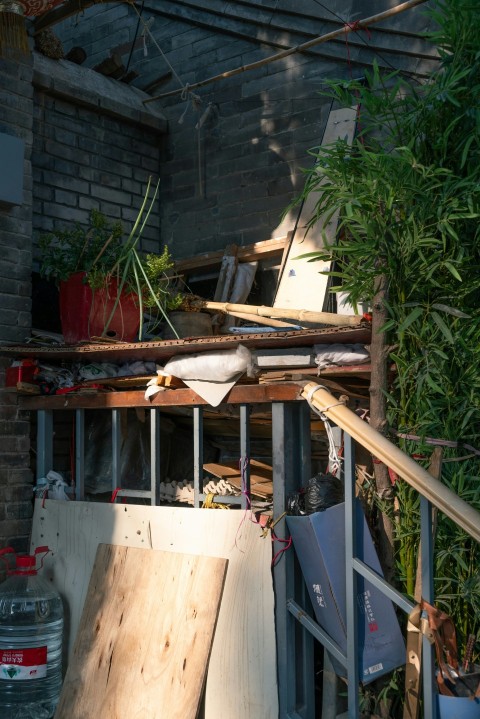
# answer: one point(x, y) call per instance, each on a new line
point(102, 253)
point(407, 194)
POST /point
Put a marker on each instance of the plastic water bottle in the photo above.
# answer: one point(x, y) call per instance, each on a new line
point(31, 632)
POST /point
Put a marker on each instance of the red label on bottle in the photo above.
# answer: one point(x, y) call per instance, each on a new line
point(21, 664)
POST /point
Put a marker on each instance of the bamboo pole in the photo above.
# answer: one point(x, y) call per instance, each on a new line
point(261, 320)
point(326, 318)
point(437, 493)
point(344, 30)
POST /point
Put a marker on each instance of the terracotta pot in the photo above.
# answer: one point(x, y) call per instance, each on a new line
point(84, 312)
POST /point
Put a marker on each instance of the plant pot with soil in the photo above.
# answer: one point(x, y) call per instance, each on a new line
point(106, 284)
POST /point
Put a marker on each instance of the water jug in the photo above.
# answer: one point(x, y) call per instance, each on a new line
point(31, 632)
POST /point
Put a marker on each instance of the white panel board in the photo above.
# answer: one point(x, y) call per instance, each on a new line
point(241, 680)
point(301, 286)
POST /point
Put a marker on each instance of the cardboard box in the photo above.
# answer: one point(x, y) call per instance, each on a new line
point(319, 541)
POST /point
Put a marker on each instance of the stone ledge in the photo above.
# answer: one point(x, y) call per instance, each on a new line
point(83, 86)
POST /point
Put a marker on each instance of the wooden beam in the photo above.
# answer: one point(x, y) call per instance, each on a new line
point(263, 250)
point(240, 394)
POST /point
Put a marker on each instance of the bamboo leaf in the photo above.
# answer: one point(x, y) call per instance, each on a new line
point(452, 270)
point(436, 387)
point(442, 326)
point(450, 310)
point(410, 319)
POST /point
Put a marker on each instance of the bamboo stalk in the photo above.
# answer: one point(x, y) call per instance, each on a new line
point(261, 320)
point(344, 30)
point(437, 493)
point(326, 318)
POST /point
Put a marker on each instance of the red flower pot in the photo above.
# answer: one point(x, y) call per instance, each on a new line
point(84, 312)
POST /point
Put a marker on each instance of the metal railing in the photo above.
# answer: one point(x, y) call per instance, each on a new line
point(295, 690)
point(296, 630)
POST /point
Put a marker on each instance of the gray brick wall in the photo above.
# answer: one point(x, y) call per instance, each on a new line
point(232, 180)
point(86, 156)
point(16, 100)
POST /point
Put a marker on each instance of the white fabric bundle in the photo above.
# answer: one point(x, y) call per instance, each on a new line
point(221, 366)
point(340, 354)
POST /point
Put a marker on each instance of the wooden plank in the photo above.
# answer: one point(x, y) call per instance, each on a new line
point(241, 680)
point(227, 274)
point(263, 250)
point(261, 476)
point(226, 279)
point(145, 635)
point(239, 394)
point(161, 351)
point(301, 286)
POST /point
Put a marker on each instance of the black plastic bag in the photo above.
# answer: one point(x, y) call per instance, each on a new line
point(321, 492)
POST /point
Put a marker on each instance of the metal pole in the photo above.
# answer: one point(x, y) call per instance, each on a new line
point(155, 456)
point(197, 455)
point(79, 454)
point(426, 549)
point(44, 442)
point(116, 444)
point(291, 462)
point(351, 579)
point(245, 454)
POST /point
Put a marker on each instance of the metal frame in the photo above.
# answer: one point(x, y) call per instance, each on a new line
point(354, 567)
point(296, 630)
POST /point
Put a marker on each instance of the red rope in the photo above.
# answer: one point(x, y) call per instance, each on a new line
point(286, 542)
point(114, 494)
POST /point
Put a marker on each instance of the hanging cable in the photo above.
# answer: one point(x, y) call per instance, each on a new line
point(334, 461)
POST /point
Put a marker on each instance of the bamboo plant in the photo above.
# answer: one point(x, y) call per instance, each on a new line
point(408, 195)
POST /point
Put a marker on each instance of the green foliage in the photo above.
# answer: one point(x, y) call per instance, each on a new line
point(102, 253)
point(407, 194)
point(93, 251)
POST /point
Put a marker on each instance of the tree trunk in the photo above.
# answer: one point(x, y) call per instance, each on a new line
point(378, 420)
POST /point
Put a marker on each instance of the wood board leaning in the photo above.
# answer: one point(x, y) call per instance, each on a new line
point(144, 637)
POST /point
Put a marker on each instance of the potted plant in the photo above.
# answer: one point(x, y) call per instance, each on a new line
point(105, 283)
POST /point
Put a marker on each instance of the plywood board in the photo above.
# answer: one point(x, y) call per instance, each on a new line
point(145, 635)
point(301, 286)
point(241, 681)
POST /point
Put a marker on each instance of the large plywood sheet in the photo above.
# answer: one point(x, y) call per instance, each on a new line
point(241, 681)
point(145, 635)
point(301, 286)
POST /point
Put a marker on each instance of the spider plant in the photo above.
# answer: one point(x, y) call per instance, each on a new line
point(103, 255)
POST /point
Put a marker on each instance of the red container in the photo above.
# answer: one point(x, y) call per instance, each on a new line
point(84, 312)
point(19, 373)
